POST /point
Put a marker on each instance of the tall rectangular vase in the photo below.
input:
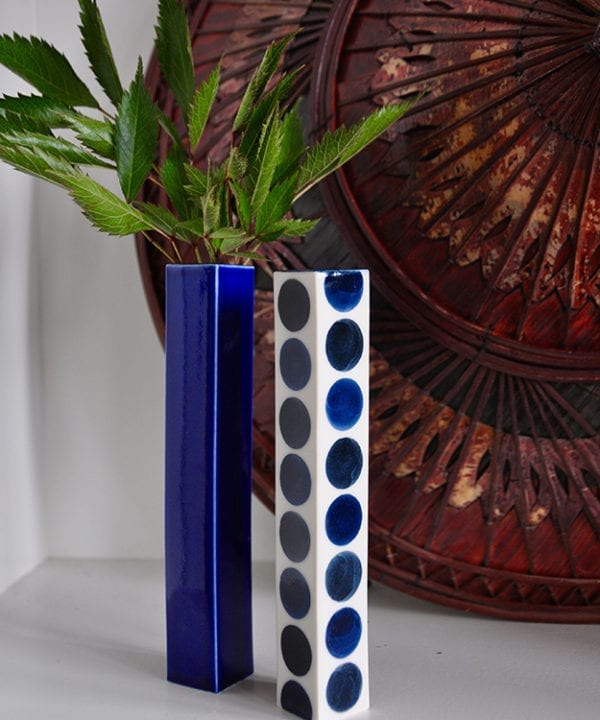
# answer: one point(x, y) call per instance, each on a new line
point(208, 460)
point(322, 425)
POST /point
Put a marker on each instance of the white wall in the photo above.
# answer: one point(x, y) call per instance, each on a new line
point(101, 365)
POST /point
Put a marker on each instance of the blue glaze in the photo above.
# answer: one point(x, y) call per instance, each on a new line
point(208, 449)
point(344, 463)
point(344, 289)
point(344, 404)
point(293, 305)
point(343, 632)
point(294, 593)
point(295, 650)
point(343, 576)
point(294, 536)
point(294, 364)
point(344, 687)
point(295, 481)
point(343, 519)
point(344, 345)
point(294, 699)
point(294, 423)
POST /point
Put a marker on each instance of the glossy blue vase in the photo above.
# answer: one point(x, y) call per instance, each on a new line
point(208, 461)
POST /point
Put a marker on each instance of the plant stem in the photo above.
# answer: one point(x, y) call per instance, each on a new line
point(158, 246)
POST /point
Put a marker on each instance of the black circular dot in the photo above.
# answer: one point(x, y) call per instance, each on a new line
point(294, 593)
point(294, 699)
point(344, 345)
point(294, 478)
point(343, 632)
point(343, 520)
point(293, 305)
point(343, 576)
point(344, 404)
point(344, 687)
point(294, 364)
point(294, 423)
point(294, 536)
point(295, 650)
point(344, 289)
point(344, 463)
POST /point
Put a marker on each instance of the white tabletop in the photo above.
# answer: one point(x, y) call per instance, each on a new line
point(85, 640)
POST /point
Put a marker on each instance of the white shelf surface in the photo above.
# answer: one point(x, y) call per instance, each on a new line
point(85, 639)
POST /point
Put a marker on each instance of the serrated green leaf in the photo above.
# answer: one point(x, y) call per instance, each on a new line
point(259, 81)
point(175, 52)
point(336, 148)
point(170, 129)
point(174, 179)
point(242, 204)
point(197, 181)
point(104, 209)
point(276, 205)
point(51, 145)
point(247, 255)
point(202, 104)
point(288, 229)
point(44, 67)
point(238, 164)
point(269, 151)
point(34, 161)
point(195, 226)
point(136, 134)
point(231, 242)
point(97, 135)
point(161, 219)
point(98, 51)
point(40, 111)
point(292, 145)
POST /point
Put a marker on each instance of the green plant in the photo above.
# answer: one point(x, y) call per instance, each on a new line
point(225, 211)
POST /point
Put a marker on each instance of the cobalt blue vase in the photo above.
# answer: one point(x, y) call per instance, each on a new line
point(208, 460)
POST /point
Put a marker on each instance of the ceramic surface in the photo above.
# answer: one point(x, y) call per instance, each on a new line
point(209, 350)
point(321, 398)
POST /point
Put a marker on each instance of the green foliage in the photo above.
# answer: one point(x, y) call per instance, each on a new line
point(225, 211)
point(97, 48)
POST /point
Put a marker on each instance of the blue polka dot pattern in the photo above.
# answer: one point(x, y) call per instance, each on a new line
point(295, 650)
point(294, 477)
point(344, 463)
point(343, 632)
point(344, 404)
point(293, 305)
point(344, 345)
point(294, 423)
point(294, 364)
point(344, 289)
point(343, 576)
point(343, 519)
point(294, 699)
point(294, 536)
point(344, 687)
point(294, 593)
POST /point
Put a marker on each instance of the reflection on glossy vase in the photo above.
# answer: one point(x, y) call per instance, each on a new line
point(209, 351)
point(321, 399)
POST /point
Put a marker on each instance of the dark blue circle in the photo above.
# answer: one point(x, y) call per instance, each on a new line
point(343, 632)
point(343, 576)
point(294, 536)
point(344, 463)
point(293, 305)
point(344, 345)
point(294, 478)
point(294, 699)
point(295, 650)
point(344, 687)
point(294, 593)
point(344, 289)
point(343, 520)
point(294, 364)
point(294, 423)
point(344, 404)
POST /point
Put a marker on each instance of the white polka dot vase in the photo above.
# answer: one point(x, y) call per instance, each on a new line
point(321, 398)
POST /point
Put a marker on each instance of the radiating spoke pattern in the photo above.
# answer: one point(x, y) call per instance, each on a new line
point(486, 200)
